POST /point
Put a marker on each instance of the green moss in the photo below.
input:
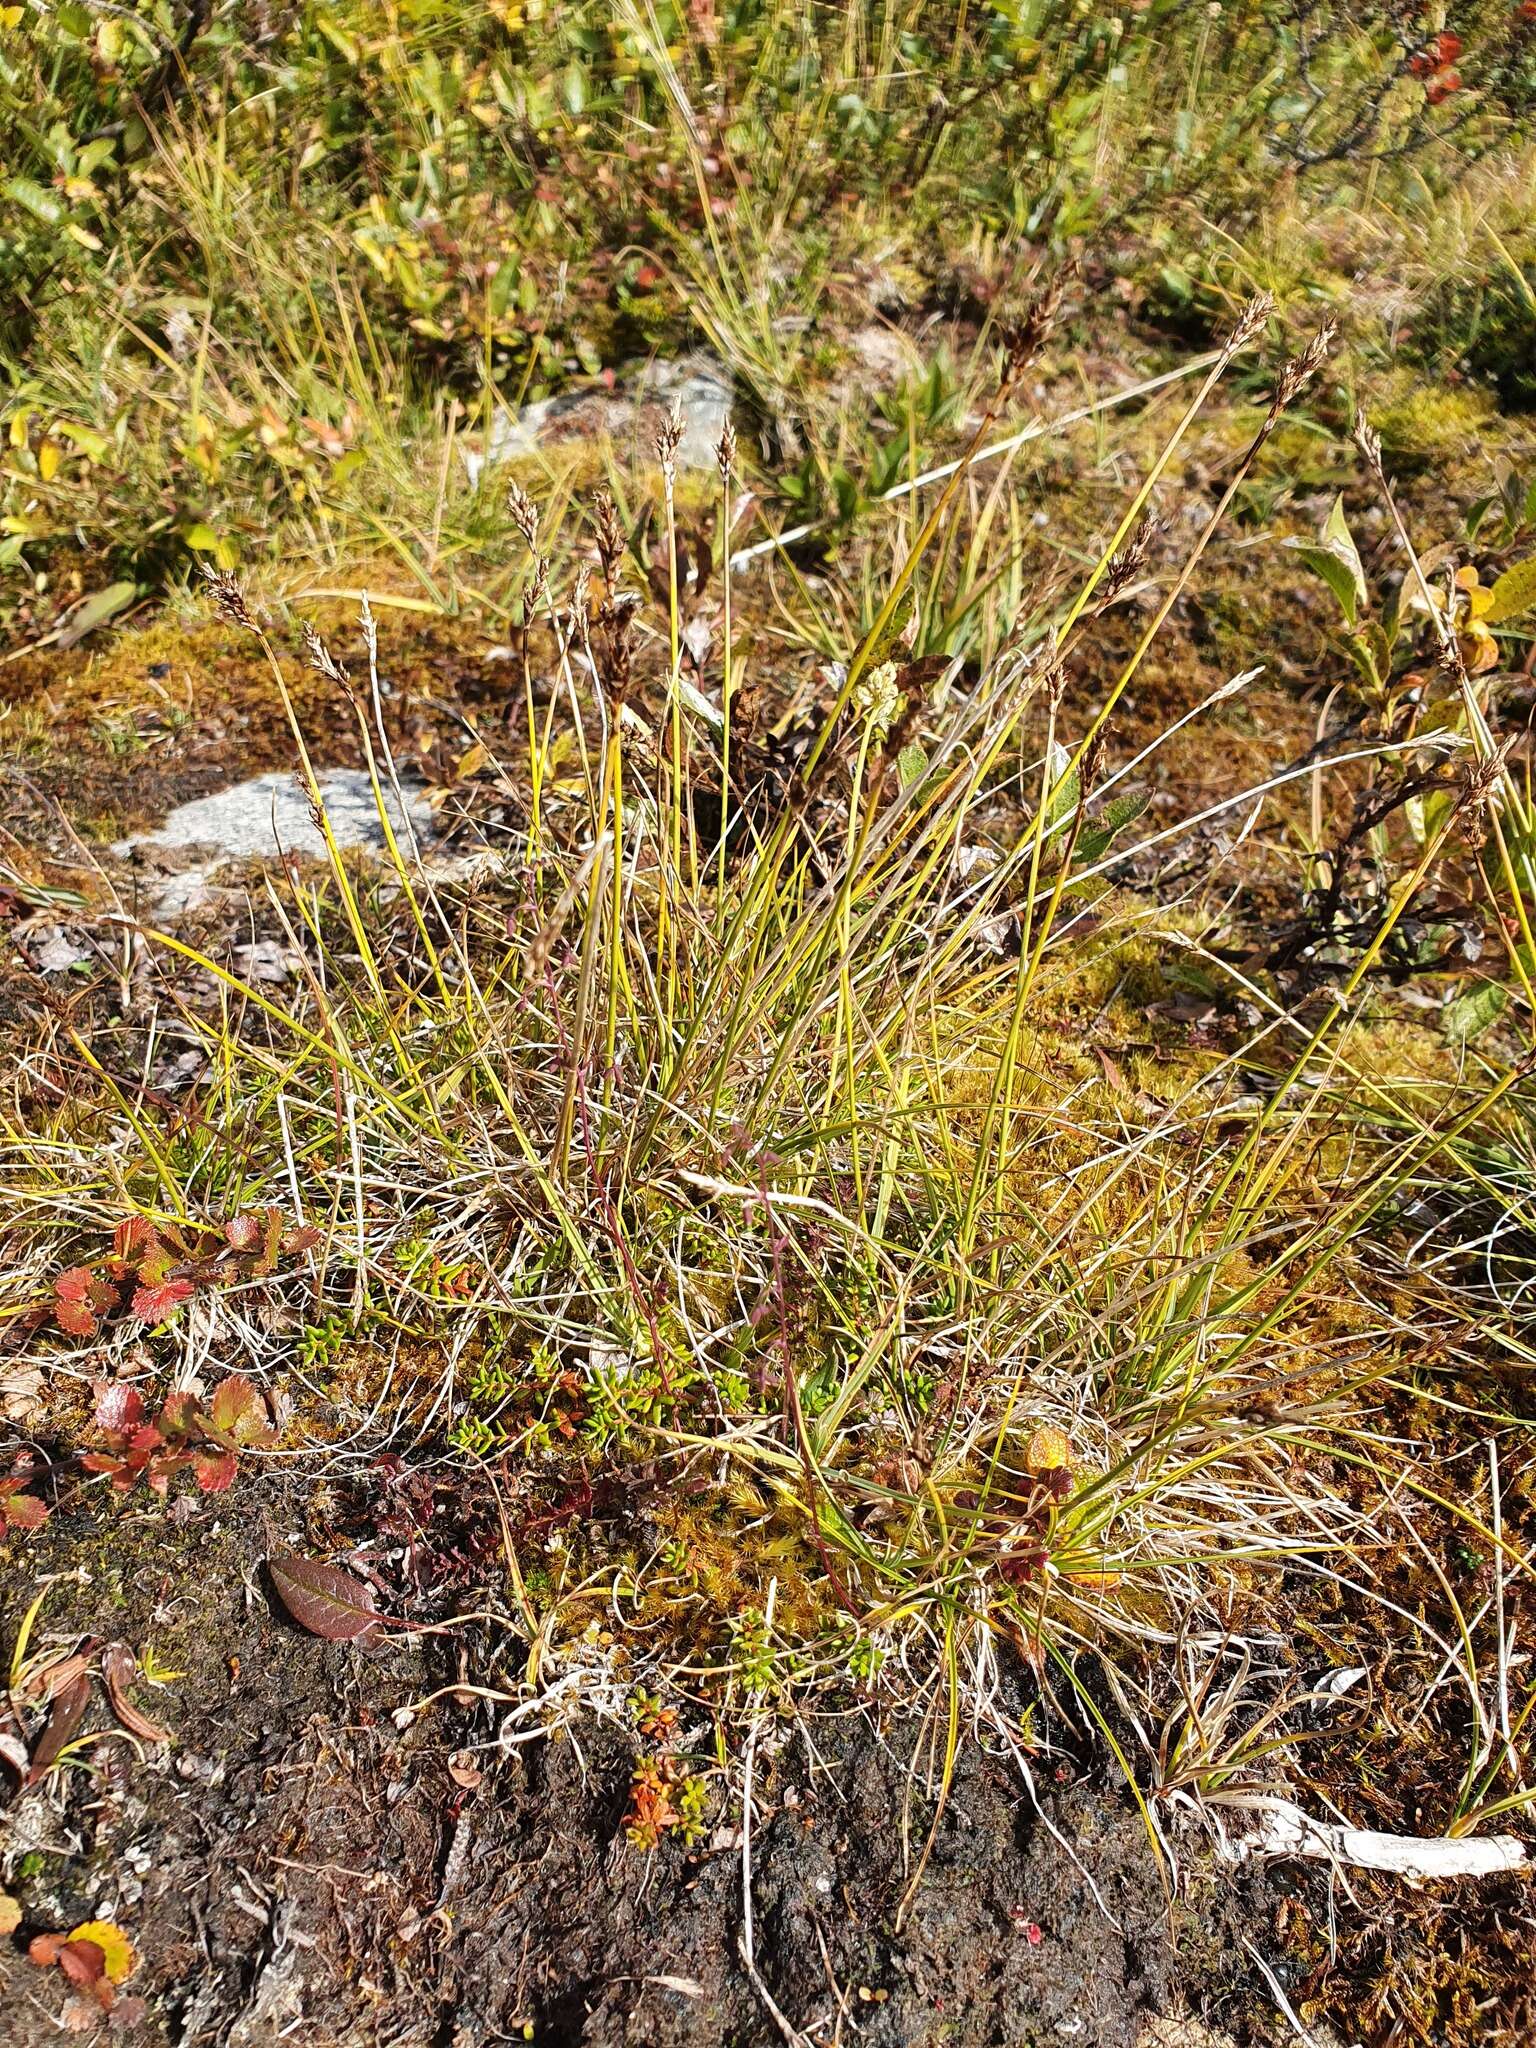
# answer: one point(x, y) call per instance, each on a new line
point(1421, 420)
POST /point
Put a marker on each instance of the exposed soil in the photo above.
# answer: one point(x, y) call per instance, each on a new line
point(293, 1865)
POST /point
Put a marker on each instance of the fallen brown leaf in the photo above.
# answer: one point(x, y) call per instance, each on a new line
point(119, 1667)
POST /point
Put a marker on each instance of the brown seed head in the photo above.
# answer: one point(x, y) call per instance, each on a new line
point(610, 537)
point(1478, 783)
point(1368, 441)
point(613, 648)
point(1125, 567)
point(581, 599)
point(1250, 321)
point(525, 515)
point(536, 596)
point(227, 597)
point(1301, 368)
point(725, 452)
point(324, 663)
point(1028, 336)
point(669, 438)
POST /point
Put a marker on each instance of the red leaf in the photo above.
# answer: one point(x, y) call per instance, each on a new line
point(43, 1949)
point(215, 1470)
point(237, 1415)
point(324, 1599)
point(74, 1301)
point(302, 1238)
point(153, 1304)
point(134, 1239)
point(163, 1469)
point(21, 1510)
point(103, 1461)
point(178, 1417)
point(118, 1408)
point(243, 1233)
point(83, 1962)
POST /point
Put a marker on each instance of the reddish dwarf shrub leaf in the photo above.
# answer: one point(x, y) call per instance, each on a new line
point(134, 1240)
point(119, 1409)
point(118, 1960)
point(178, 1418)
point(214, 1470)
point(153, 1303)
point(95, 1958)
point(20, 1510)
point(80, 1299)
point(83, 1962)
point(238, 1412)
point(184, 1434)
point(243, 1233)
point(324, 1599)
point(154, 1268)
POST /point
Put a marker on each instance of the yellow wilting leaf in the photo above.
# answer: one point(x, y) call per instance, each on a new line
point(117, 1953)
point(1479, 649)
point(1479, 596)
point(1513, 593)
point(1046, 1451)
point(10, 1915)
point(96, 447)
point(49, 456)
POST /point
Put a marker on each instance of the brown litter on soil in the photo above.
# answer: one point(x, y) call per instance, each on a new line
point(296, 1866)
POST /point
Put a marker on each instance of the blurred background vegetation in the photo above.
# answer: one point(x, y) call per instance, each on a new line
point(259, 261)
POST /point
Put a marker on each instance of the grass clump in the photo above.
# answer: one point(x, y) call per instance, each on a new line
point(943, 1129)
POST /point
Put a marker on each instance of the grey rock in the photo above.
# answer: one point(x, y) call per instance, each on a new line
point(266, 960)
point(698, 385)
point(183, 894)
point(270, 814)
point(55, 952)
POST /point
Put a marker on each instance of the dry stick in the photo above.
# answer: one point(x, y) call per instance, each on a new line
point(745, 1943)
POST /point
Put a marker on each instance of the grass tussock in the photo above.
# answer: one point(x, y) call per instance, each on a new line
point(941, 1129)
